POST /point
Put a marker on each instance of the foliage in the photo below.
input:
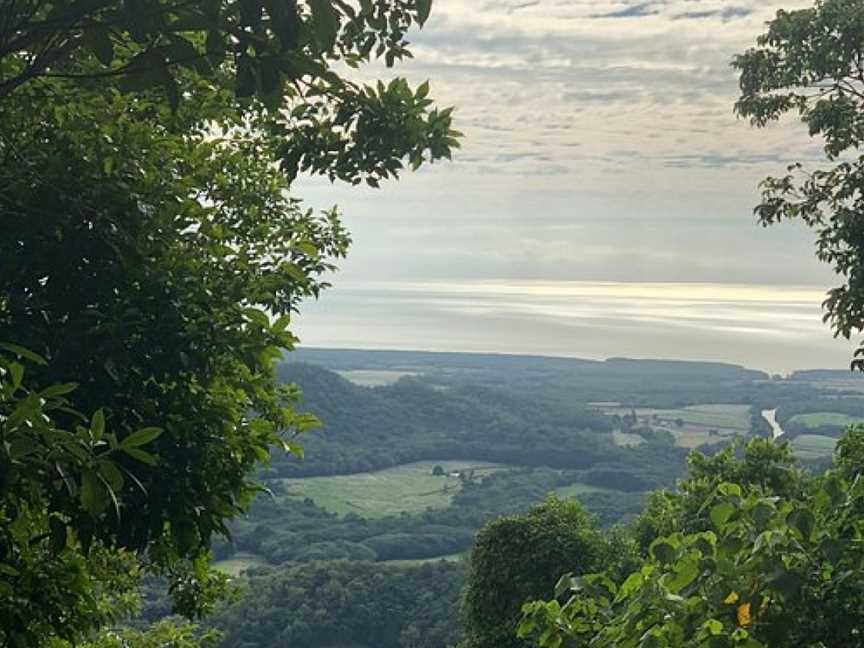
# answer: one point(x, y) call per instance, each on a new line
point(519, 558)
point(283, 52)
point(325, 603)
point(366, 429)
point(53, 483)
point(773, 565)
point(153, 258)
point(163, 634)
point(809, 63)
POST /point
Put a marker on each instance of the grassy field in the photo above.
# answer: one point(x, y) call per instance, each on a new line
point(410, 488)
point(577, 489)
point(238, 564)
point(423, 561)
point(626, 440)
point(813, 446)
point(819, 419)
point(697, 423)
point(374, 377)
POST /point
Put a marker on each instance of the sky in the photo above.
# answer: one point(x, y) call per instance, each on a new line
point(600, 147)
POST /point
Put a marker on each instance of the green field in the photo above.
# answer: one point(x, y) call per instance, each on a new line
point(374, 377)
point(626, 440)
point(239, 563)
point(697, 423)
point(813, 446)
point(820, 419)
point(408, 488)
point(577, 489)
point(458, 557)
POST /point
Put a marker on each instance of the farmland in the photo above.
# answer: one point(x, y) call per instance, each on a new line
point(408, 488)
point(691, 426)
point(374, 377)
point(813, 446)
point(824, 419)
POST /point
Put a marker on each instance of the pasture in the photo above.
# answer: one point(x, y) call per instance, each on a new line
point(577, 489)
point(824, 419)
point(691, 426)
point(813, 446)
point(457, 557)
point(374, 377)
point(238, 563)
point(408, 488)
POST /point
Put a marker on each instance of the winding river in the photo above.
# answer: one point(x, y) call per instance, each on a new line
point(771, 417)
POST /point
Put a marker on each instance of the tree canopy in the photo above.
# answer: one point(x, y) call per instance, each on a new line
point(809, 62)
point(767, 566)
point(151, 262)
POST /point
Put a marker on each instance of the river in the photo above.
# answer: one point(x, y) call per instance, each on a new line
point(771, 417)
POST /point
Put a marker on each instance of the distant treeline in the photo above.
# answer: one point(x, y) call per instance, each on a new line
point(367, 429)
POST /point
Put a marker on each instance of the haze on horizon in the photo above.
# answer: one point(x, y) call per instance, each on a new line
point(600, 146)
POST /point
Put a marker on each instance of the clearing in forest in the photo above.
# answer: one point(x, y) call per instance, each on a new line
point(813, 446)
point(408, 488)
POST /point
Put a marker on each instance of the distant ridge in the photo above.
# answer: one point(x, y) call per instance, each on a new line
point(372, 358)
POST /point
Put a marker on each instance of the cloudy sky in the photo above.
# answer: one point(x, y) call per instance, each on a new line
point(600, 146)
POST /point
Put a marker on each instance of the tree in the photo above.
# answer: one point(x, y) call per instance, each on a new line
point(761, 464)
point(767, 571)
point(809, 62)
point(151, 261)
point(282, 52)
point(519, 558)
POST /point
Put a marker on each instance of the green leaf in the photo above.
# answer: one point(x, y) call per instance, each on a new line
point(728, 489)
point(97, 424)
point(663, 551)
point(140, 437)
point(58, 390)
point(325, 22)
point(92, 493)
point(684, 574)
point(21, 352)
point(422, 91)
point(721, 513)
point(424, 8)
point(713, 627)
point(111, 474)
point(633, 582)
point(140, 455)
point(17, 372)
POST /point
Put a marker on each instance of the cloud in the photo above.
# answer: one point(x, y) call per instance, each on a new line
point(726, 14)
point(631, 11)
point(600, 131)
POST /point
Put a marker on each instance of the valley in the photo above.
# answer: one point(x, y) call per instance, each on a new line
point(419, 450)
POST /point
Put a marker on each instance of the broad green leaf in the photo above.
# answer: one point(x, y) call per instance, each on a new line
point(140, 437)
point(92, 493)
point(17, 372)
point(140, 455)
point(424, 8)
point(663, 550)
point(721, 513)
point(97, 424)
point(58, 390)
point(685, 572)
point(21, 352)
